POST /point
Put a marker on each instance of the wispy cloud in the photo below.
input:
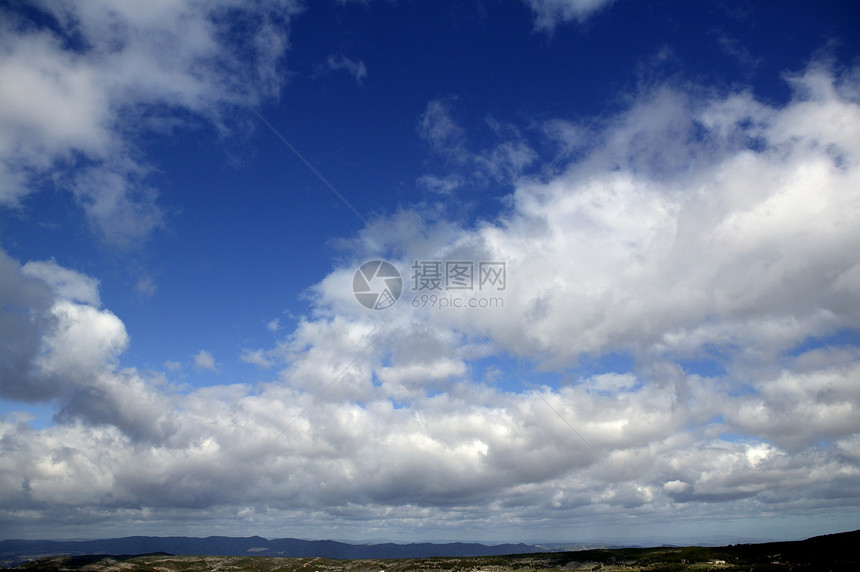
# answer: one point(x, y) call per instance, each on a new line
point(356, 69)
point(503, 162)
point(438, 127)
point(732, 47)
point(172, 365)
point(551, 13)
point(146, 286)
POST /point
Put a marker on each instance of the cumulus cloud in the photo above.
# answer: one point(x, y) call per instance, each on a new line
point(59, 346)
point(25, 317)
point(77, 89)
point(692, 222)
point(694, 226)
point(65, 283)
point(814, 397)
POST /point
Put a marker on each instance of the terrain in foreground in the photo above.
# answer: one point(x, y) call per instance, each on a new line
point(831, 552)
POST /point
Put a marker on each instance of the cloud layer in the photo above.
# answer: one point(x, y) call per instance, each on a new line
point(695, 227)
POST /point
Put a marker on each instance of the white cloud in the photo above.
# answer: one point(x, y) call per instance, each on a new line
point(204, 361)
point(117, 204)
point(60, 346)
point(85, 340)
point(551, 13)
point(65, 283)
point(487, 454)
point(25, 316)
point(62, 108)
point(441, 131)
point(692, 228)
point(503, 162)
point(173, 365)
point(356, 69)
point(665, 241)
point(441, 185)
point(256, 357)
point(806, 403)
point(146, 286)
point(733, 48)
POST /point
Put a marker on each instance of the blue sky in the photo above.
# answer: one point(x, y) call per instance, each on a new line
point(187, 191)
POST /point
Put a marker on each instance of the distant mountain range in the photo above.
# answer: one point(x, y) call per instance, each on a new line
point(831, 552)
point(16, 551)
point(839, 547)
